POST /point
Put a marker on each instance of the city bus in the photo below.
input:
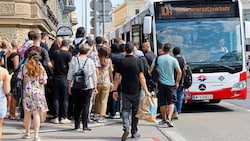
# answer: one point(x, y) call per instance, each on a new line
point(211, 36)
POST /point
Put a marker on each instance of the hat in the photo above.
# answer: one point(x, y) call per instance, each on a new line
point(98, 40)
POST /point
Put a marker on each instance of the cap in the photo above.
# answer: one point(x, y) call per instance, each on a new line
point(98, 40)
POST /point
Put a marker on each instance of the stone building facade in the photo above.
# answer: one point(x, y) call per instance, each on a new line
point(18, 17)
point(123, 13)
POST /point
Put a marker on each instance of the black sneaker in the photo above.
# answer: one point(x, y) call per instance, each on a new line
point(136, 135)
point(169, 123)
point(125, 135)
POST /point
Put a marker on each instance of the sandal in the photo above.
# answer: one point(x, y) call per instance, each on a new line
point(37, 138)
point(12, 117)
point(26, 136)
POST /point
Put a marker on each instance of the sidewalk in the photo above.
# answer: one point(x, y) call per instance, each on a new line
point(15, 126)
point(109, 131)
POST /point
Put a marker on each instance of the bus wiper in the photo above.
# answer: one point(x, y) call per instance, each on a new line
point(211, 67)
point(224, 66)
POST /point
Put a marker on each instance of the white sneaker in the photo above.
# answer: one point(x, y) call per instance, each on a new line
point(102, 120)
point(55, 121)
point(95, 118)
point(65, 121)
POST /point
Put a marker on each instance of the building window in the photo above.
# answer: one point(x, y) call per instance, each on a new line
point(137, 11)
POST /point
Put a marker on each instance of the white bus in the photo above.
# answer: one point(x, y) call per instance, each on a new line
point(211, 36)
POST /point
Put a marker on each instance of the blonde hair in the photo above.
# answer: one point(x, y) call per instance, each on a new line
point(84, 48)
point(146, 44)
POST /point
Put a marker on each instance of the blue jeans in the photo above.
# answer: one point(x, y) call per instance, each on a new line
point(127, 102)
point(60, 97)
point(178, 104)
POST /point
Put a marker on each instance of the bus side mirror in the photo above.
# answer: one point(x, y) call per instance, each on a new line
point(247, 29)
point(147, 22)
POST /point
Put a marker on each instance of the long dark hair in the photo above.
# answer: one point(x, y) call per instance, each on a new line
point(103, 56)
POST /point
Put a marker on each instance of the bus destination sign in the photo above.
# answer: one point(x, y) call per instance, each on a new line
point(180, 10)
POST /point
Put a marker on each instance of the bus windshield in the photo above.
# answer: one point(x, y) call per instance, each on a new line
point(206, 42)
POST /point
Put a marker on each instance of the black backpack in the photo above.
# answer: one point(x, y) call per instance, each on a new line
point(155, 73)
point(187, 76)
point(79, 77)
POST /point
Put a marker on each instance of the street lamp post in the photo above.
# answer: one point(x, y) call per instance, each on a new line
point(103, 14)
point(82, 14)
point(86, 15)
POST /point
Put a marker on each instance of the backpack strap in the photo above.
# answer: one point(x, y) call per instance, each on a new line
point(183, 69)
point(77, 45)
point(83, 64)
point(156, 62)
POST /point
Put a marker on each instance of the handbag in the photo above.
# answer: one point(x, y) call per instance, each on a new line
point(17, 85)
point(79, 77)
point(147, 109)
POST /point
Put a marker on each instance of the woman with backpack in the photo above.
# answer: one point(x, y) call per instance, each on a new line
point(82, 95)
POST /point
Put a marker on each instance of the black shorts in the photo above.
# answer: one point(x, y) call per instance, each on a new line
point(166, 95)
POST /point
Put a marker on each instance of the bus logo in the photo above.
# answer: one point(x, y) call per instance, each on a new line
point(202, 87)
point(202, 78)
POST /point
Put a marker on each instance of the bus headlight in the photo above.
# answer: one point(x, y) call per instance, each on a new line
point(239, 86)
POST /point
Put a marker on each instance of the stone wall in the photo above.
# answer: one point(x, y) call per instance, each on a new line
point(18, 17)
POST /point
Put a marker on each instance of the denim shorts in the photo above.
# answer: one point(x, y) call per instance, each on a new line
point(166, 95)
point(3, 106)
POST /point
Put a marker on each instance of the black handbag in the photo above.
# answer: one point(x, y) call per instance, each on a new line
point(79, 77)
point(17, 85)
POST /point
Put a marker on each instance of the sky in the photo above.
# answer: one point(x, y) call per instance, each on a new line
point(81, 12)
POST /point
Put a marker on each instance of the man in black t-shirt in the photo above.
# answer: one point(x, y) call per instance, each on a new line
point(150, 56)
point(130, 69)
point(60, 60)
point(43, 44)
point(55, 46)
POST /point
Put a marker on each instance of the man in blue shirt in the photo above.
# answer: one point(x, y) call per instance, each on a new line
point(167, 84)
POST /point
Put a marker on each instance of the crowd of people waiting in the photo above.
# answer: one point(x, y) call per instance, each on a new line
point(47, 74)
